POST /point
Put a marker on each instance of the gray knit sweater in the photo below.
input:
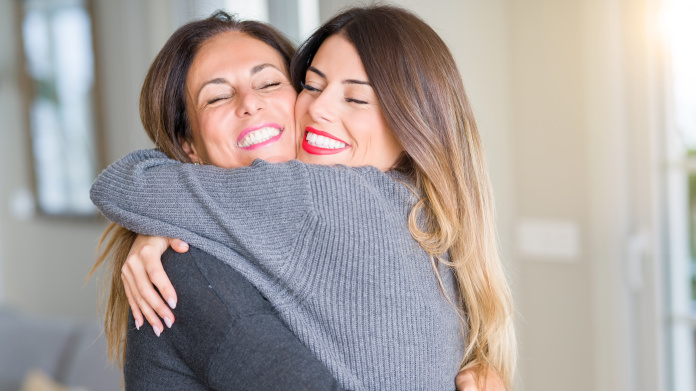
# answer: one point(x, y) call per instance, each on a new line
point(328, 246)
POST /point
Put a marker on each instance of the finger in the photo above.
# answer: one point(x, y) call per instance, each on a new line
point(139, 302)
point(151, 259)
point(145, 295)
point(178, 245)
point(137, 315)
point(150, 315)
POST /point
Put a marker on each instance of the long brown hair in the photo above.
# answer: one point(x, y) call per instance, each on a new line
point(421, 93)
point(164, 117)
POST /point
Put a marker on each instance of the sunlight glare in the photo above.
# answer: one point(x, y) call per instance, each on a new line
point(678, 25)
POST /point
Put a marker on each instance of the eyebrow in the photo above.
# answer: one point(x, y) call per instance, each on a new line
point(261, 67)
point(347, 81)
point(220, 80)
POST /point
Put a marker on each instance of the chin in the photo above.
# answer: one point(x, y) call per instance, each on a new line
point(279, 157)
point(326, 160)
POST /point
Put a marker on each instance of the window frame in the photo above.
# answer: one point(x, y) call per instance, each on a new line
point(27, 94)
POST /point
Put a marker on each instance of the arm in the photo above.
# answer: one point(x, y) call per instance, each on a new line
point(209, 207)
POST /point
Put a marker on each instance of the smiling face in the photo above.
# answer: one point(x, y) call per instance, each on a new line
point(338, 115)
point(240, 103)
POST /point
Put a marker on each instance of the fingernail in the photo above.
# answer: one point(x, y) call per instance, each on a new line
point(168, 322)
point(171, 302)
point(137, 324)
point(185, 245)
point(156, 330)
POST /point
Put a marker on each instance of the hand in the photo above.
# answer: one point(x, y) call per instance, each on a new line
point(466, 381)
point(142, 269)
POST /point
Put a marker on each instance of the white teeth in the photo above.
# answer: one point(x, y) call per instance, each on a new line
point(258, 136)
point(316, 140)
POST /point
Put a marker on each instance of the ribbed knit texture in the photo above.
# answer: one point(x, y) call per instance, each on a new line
point(328, 246)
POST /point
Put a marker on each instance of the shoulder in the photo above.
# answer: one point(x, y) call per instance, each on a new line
point(366, 186)
point(210, 303)
point(200, 277)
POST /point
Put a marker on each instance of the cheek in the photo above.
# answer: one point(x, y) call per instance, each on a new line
point(301, 105)
point(391, 143)
point(206, 127)
point(380, 134)
point(290, 99)
point(369, 126)
point(217, 132)
point(387, 137)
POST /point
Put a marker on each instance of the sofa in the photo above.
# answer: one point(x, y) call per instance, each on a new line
point(70, 352)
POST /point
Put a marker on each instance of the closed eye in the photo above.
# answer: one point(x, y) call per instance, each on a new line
point(360, 102)
point(218, 98)
point(308, 87)
point(270, 85)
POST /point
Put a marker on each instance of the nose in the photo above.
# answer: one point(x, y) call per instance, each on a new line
point(249, 103)
point(322, 109)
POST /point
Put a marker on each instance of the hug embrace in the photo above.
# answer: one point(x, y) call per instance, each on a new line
point(337, 205)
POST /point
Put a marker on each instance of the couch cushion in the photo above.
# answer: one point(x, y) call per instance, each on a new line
point(39, 381)
point(30, 342)
point(87, 364)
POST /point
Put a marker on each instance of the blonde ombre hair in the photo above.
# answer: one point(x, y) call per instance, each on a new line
point(165, 119)
point(423, 99)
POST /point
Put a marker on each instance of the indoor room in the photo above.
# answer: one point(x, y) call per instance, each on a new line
point(587, 116)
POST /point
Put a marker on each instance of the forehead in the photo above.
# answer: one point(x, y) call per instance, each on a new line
point(231, 52)
point(337, 57)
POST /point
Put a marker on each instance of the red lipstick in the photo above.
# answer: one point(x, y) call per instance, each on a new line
point(314, 150)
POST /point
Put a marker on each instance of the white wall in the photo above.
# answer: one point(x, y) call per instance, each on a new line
point(551, 182)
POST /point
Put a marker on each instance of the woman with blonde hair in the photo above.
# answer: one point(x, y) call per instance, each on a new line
point(375, 269)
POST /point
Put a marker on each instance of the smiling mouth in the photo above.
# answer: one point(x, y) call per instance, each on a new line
point(317, 142)
point(259, 137)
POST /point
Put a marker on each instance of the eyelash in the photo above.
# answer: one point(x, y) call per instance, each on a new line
point(218, 98)
point(312, 89)
point(308, 88)
point(269, 85)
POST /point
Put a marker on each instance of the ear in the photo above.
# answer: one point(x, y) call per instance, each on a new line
point(190, 150)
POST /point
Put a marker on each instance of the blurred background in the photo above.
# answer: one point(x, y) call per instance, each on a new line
point(588, 114)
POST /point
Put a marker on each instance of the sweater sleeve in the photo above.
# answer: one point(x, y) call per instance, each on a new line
point(212, 208)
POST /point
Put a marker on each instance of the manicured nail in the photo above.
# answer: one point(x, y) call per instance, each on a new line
point(156, 330)
point(137, 324)
point(168, 322)
point(171, 302)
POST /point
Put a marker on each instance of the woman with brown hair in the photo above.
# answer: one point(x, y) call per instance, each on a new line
point(374, 269)
point(228, 336)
